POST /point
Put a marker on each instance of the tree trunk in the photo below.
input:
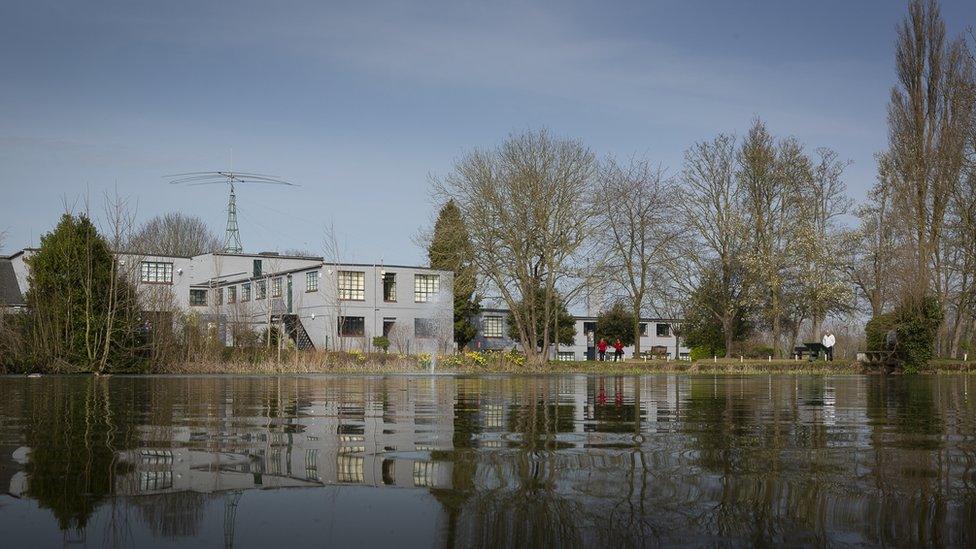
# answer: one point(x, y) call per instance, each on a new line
point(637, 335)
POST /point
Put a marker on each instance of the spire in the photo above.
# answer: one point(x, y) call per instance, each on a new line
point(232, 240)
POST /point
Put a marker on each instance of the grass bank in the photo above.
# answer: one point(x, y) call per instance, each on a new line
point(474, 363)
point(262, 361)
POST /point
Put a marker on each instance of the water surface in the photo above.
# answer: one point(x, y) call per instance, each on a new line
point(420, 461)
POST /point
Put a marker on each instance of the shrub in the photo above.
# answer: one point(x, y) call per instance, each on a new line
point(703, 352)
point(876, 329)
point(382, 343)
point(918, 323)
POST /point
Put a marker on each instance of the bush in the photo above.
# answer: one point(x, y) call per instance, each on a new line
point(703, 352)
point(876, 329)
point(750, 349)
point(918, 323)
point(382, 343)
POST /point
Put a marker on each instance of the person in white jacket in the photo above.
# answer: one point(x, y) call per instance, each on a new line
point(828, 341)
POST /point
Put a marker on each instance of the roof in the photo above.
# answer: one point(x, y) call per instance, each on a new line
point(9, 288)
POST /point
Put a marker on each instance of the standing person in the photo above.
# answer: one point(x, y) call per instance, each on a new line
point(828, 341)
point(618, 350)
point(602, 347)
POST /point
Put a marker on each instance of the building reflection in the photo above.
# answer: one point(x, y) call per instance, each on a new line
point(550, 460)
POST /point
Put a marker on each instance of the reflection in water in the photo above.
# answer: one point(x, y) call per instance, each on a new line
point(489, 461)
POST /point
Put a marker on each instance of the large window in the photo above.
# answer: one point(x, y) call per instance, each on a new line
point(231, 294)
point(492, 326)
point(425, 286)
point(198, 297)
point(642, 329)
point(425, 328)
point(262, 289)
point(352, 326)
point(312, 281)
point(389, 287)
point(276, 287)
point(663, 330)
point(156, 272)
point(245, 292)
point(352, 285)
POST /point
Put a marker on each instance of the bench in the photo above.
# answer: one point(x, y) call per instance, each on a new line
point(887, 360)
point(815, 350)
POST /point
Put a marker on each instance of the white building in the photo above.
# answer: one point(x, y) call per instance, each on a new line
point(321, 305)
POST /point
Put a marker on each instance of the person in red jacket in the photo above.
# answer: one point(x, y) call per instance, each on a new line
point(602, 347)
point(618, 350)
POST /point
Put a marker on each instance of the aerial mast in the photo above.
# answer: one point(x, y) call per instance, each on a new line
point(232, 236)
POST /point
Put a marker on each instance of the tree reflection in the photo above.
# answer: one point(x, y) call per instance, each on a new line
point(76, 428)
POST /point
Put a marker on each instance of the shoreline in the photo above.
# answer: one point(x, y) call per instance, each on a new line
point(705, 367)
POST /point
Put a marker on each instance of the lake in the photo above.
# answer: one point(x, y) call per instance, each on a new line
point(433, 461)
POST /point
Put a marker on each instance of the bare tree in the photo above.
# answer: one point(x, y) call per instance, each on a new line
point(637, 226)
point(822, 252)
point(771, 176)
point(929, 120)
point(175, 234)
point(712, 207)
point(875, 244)
point(525, 203)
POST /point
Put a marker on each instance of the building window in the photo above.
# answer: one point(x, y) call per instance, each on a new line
point(257, 268)
point(642, 329)
point(388, 326)
point(276, 287)
point(389, 287)
point(352, 285)
point(352, 326)
point(424, 328)
point(218, 296)
point(198, 298)
point(425, 286)
point(231, 294)
point(156, 272)
point(663, 330)
point(493, 326)
point(312, 281)
point(261, 290)
point(245, 292)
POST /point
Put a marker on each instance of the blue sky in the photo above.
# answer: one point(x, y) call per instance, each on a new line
point(361, 102)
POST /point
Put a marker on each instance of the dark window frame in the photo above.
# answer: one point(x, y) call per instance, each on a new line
point(500, 325)
point(343, 326)
point(195, 300)
point(389, 287)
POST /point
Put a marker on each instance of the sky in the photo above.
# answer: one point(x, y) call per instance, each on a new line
point(361, 103)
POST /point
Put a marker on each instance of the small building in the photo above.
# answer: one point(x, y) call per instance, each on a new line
point(11, 298)
point(657, 336)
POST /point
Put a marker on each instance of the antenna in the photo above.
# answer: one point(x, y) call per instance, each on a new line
point(232, 237)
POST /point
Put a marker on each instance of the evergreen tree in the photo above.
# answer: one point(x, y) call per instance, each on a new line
point(450, 249)
point(703, 331)
point(617, 322)
point(84, 316)
point(565, 321)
